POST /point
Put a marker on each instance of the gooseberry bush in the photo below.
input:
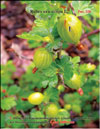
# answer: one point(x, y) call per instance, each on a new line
point(55, 85)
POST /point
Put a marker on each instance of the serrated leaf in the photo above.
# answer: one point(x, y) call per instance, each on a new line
point(8, 117)
point(33, 80)
point(15, 121)
point(94, 53)
point(23, 105)
point(44, 83)
point(42, 5)
point(51, 94)
point(40, 23)
point(30, 36)
point(75, 59)
point(50, 71)
point(95, 39)
point(37, 118)
point(41, 26)
point(72, 98)
point(45, 9)
point(13, 90)
point(53, 81)
point(54, 31)
point(55, 45)
point(68, 72)
point(68, 67)
point(63, 116)
point(52, 20)
point(6, 73)
point(8, 103)
point(34, 44)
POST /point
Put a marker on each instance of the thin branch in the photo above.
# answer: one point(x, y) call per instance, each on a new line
point(61, 101)
point(90, 33)
point(62, 80)
point(24, 57)
point(18, 55)
point(23, 114)
point(70, 5)
point(59, 53)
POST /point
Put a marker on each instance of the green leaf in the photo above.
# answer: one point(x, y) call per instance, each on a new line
point(49, 72)
point(81, 7)
point(94, 53)
point(53, 81)
point(48, 81)
point(6, 73)
point(15, 121)
point(44, 83)
point(96, 115)
point(95, 39)
point(80, 123)
point(8, 118)
point(55, 45)
point(75, 59)
point(68, 67)
point(42, 31)
point(34, 44)
point(41, 26)
point(54, 31)
point(3, 87)
point(83, 69)
point(8, 103)
point(23, 105)
point(73, 98)
point(52, 20)
point(63, 116)
point(43, 5)
point(87, 108)
point(45, 9)
point(30, 36)
point(76, 108)
point(13, 90)
point(40, 79)
point(37, 118)
point(31, 79)
point(96, 9)
point(51, 94)
point(65, 45)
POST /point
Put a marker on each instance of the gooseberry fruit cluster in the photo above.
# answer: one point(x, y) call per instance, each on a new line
point(69, 28)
